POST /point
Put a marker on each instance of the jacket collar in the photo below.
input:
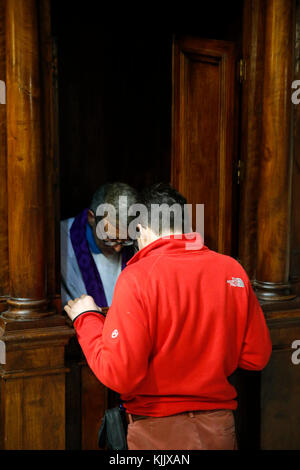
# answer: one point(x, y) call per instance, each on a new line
point(171, 244)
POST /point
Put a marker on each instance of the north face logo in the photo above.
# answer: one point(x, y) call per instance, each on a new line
point(236, 282)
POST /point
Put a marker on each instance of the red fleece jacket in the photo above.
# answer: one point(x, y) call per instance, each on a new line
point(181, 322)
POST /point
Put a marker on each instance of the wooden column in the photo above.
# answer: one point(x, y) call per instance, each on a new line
point(251, 110)
point(26, 198)
point(273, 215)
point(32, 335)
point(4, 271)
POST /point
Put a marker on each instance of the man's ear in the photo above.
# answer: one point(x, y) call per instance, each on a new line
point(140, 230)
point(91, 217)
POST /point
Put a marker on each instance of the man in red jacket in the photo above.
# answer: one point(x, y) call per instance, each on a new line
point(181, 322)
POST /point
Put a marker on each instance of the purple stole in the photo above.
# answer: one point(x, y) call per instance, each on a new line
point(85, 260)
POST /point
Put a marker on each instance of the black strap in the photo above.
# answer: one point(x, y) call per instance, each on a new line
point(88, 311)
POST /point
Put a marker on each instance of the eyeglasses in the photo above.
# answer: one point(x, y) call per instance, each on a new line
point(117, 242)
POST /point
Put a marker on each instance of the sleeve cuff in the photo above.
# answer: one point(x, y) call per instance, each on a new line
point(87, 311)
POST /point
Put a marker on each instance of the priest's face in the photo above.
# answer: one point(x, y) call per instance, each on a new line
point(112, 244)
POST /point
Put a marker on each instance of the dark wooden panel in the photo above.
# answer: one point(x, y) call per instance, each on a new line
point(12, 419)
point(86, 401)
point(247, 414)
point(93, 405)
point(44, 397)
point(73, 407)
point(204, 151)
point(33, 405)
point(49, 99)
point(280, 390)
point(32, 381)
point(115, 109)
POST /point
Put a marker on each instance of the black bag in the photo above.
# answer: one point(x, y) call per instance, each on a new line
point(113, 429)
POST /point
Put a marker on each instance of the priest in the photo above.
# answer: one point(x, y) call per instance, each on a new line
point(91, 264)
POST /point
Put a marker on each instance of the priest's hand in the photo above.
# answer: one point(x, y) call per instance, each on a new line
point(85, 303)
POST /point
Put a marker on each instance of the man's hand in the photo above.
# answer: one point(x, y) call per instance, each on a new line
point(79, 305)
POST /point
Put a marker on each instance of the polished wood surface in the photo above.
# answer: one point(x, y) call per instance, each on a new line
point(204, 150)
point(280, 413)
point(26, 197)
point(295, 212)
point(94, 402)
point(280, 385)
point(273, 215)
point(50, 125)
point(251, 115)
point(86, 401)
point(4, 270)
point(33, 390)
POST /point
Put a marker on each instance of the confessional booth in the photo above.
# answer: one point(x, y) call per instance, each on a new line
point(202, 99)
